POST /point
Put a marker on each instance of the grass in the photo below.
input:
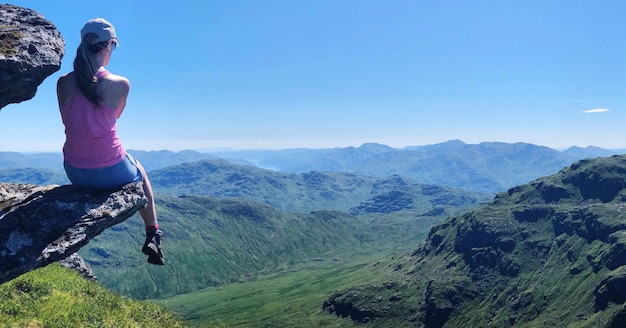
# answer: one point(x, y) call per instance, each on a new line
point(291, 298)
point(58, 297)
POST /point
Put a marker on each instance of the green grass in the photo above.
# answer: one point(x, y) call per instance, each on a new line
point(291, 298)
point(58, 297)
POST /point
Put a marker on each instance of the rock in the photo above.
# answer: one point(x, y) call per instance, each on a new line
point(41, 225)
point(603, 183)
point(353, 305)
point(75, 262)
point(611, 289)
point(391, 201)
point(31, 49)
point(442, 297)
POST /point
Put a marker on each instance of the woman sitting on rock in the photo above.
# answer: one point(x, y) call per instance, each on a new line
point(91, 99)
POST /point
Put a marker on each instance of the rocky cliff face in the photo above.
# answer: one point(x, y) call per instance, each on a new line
point(41, 225)
point(548, 253)
point(31, 49)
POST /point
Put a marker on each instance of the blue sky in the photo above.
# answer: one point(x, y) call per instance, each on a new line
point(271, 74)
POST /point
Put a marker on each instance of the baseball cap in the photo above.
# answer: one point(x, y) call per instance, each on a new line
point(97, 30)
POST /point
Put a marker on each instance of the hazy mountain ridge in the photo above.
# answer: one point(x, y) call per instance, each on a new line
point(485, 167)
point(591, 152)
point(151, 160)
point(41, 177)
point(548, 253)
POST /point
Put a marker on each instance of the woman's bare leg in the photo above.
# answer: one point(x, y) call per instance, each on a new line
point(148, 213)
point(152, 245)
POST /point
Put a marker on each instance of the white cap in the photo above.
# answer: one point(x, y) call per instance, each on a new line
point(97, 30)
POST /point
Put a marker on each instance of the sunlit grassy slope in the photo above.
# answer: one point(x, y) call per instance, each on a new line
point(290, 298)
point(58, 297)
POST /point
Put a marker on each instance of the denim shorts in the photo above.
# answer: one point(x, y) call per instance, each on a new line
point(110, 177)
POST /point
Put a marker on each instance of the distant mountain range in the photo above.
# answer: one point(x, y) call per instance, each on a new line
point(486, 167)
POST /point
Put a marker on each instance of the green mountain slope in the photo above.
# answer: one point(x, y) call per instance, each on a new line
point(290, 298)
point(211, 242)
point(306, 192)
point(58, 297)
point(42, 177)
point(548, 253)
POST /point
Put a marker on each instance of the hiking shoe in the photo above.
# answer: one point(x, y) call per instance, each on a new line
point(152, 248)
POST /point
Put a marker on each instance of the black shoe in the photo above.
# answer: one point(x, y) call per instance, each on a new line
point(152, 248)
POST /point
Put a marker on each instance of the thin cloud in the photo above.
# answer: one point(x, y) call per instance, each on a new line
point(596, 110)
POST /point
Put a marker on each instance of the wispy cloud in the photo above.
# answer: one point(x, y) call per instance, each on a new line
point(596, 110)
point(580, 100)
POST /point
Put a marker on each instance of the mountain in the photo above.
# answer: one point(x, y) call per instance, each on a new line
point(42, 177)
point(484, 167)
point(154, 160)
point(309, 191)
point(51, 161)
point(547, 253)
point(299, 160)
point(590, 152)
point(151, 160)
point(287, 192)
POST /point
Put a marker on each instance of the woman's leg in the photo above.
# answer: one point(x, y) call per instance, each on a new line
point(152, 245)
point(148, 213)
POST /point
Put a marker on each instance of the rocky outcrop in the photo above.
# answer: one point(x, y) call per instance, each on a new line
point(78, 264)
point(31, 49)
point(41, 225)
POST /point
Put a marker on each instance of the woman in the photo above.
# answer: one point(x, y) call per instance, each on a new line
point(91, 99)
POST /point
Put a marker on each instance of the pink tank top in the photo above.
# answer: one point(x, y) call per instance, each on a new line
point(91, 139)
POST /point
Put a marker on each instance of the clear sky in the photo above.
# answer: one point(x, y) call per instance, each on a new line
point(249, 74)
